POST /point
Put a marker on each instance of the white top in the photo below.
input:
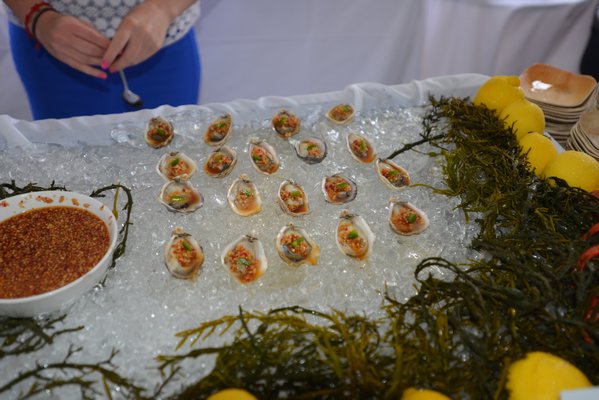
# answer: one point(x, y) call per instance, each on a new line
point(107, 15)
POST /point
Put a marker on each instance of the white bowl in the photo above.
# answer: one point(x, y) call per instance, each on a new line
point(51, 301)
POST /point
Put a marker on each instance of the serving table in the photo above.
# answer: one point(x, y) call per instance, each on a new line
point(139, 307)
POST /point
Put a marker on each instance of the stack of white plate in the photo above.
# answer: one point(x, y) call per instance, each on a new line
point(563, 96)
point(584, 136)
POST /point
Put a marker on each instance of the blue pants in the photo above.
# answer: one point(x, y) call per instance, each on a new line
point(55, 90)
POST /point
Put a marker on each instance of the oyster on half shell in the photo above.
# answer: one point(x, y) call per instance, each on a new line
point(243, 197)
point(312, 150)
point(286, 124)
point(292, 198)
point(354, 237)
point(220, 162)
point(183, 255)
point(159, 132)
point(178, 196)
point(176, 165)
point(406, 219)
point(244, 259)
point(338, 189)
point(219, 130)
point(263, 156)
point(341, 114)
point(296, 247)
point(360, 148)
point(391, 174)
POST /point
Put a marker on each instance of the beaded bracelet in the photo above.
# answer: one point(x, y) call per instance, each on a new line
point(36, 8)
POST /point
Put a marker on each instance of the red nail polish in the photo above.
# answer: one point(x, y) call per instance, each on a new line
point(104, 64)
point(102, 75)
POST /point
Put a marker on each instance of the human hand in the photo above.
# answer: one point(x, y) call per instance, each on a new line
point(75, 42)
point(140, 35)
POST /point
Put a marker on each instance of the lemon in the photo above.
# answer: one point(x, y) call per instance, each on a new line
point(524, 116)
point(542, 376)
point(422, 394)
point(540, 150)
point(232, 394)
point(498, 92)
point(578, 169)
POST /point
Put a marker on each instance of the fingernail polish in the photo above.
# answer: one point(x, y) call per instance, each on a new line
point(102, 75)
point(104, 64)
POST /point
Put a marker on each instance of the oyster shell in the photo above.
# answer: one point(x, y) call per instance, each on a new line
point(292, 198)
point(180, 196)
point(354, 237)
point(243, 197)
point(183, 255)
point(405, 219)
point(263, 156)
point(159, 132)
point(360, 148)
point(312, 150)
point(392, 174)
point(220, 162)
point(338, 189)
point(218, 131)
point(286, 123)
point(244, 259)
point(176, 165)
point(341, 114)
point(295, 246)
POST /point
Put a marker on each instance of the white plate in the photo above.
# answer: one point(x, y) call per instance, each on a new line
point(54, 300)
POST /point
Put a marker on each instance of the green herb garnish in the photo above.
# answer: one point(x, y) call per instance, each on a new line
point(174, 162)
point(244, 262)
point(412, 218)
point(177, 198)
point(342, 186)
point(353, 234)
point(186, 245)
point(297, 241)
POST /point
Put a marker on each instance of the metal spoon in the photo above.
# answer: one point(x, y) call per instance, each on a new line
point(128, 96)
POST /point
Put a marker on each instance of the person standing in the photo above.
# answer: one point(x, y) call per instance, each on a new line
point(68, 54)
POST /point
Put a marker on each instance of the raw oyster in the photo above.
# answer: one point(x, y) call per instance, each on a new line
point(159, 132)
point(180, 196)
point(360, 148)
point(338, 189)
point(341, 114)
point(392, 174)
point(183, 255)
point(405, 219)
point(220, 162)
point(286, 123)
point(176, 165)
point(244, 259)
point(218, 131)
point(243, 197)
point(295, 246)
point(312, 150)
point(354, 237)
point(263, 156)
point(292, 198)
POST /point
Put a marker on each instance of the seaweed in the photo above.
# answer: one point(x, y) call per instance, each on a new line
point(457, 336)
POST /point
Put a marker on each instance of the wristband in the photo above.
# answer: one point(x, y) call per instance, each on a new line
point(32, 12)
point(36, 18)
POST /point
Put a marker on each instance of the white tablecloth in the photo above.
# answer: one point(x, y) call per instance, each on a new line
point(96, 130)
point(272, 47)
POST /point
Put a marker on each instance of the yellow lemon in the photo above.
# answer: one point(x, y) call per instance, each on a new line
point(232, 394)
point(542, 376)
point(540, 150)
point(498, 92)
point(524, 116)
point(575, 167)
point(422, 394)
